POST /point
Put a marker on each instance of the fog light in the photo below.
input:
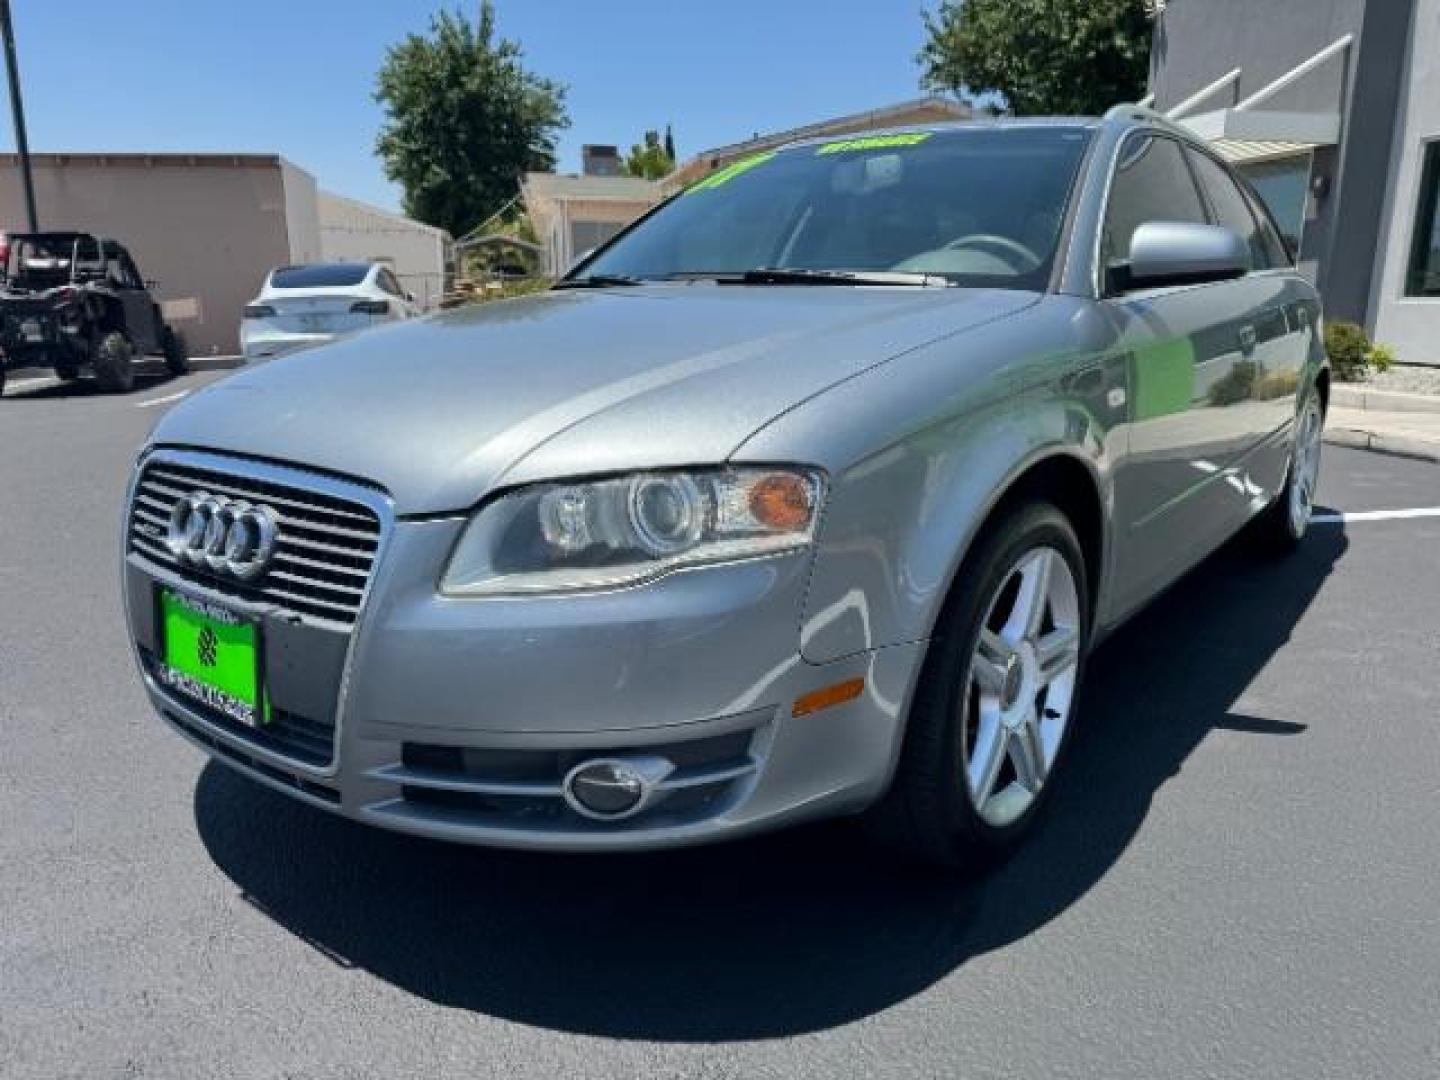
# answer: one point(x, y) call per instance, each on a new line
point(612, 789)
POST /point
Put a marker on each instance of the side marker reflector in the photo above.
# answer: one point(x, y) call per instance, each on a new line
point(838, 694)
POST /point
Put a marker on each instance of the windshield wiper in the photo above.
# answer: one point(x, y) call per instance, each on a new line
point(782, 275)
point(599, 281)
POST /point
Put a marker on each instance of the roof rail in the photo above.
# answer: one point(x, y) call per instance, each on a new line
point(1131, 111)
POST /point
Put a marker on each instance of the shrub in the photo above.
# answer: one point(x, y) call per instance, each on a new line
point(1277, 384)
point(1382, 356)
point(1349, 350)
point(1238, 384)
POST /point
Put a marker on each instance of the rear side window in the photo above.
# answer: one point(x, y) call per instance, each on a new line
point(386, 280)
point(1233, 211)
point(1280, 192)
point(1152, 183)
point(323, 276)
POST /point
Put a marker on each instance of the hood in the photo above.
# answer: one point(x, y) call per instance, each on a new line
point(442, 410)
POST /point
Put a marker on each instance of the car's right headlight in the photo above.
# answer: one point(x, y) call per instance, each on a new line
point(601, 534)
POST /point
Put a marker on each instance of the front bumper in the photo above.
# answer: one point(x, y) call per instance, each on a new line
point(457, 719)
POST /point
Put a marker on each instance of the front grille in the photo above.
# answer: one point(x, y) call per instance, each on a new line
point(299, 783)
point(326, 550)
point(301, 738)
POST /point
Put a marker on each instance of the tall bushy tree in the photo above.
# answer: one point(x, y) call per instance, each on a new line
point(1041, 56)
point(464, 120)
point(649, 159)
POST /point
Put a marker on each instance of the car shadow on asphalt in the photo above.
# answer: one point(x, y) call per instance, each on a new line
point(146, 378)
point(791, 933)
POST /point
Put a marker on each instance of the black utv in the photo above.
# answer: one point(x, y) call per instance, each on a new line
point(72, 301)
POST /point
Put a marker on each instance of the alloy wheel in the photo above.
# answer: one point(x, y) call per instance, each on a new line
point(1305, 469)
point(1020, 687)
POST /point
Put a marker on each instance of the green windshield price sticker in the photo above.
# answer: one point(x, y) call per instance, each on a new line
point(725, 175)
point(874, 142)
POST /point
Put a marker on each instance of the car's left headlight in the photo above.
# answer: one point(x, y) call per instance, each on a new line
point(605, 533)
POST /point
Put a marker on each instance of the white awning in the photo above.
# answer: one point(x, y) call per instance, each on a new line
point(1243, 135)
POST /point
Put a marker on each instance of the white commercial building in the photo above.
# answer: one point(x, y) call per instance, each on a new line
point(416, 253)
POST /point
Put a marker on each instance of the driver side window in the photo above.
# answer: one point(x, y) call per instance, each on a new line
point(1151, 183)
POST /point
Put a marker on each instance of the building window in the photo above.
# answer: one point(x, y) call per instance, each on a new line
point(1284, 186)
point(1424, 276)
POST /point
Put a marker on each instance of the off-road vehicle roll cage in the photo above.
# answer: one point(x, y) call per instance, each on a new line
point(72, 301)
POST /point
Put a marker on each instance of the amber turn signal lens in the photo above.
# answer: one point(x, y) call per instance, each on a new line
point(838, 694)
point(781, 502)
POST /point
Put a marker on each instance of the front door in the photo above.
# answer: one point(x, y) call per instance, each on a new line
point(1190, 364)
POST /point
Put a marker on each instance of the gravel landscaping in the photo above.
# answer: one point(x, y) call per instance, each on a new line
point(1406, 379)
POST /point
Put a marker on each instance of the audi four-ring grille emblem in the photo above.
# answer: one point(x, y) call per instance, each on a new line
point(229, 536)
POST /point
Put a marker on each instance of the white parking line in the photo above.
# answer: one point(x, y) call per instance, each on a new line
point(161, 400)
point(31, 384)
point(1376, 515)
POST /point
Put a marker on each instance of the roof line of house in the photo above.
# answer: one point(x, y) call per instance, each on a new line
point(141, 159)
point(380, 211)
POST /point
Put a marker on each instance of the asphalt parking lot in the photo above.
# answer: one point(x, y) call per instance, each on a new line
point(1238, 878)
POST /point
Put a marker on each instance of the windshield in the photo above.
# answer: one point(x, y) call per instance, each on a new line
point(982, 206)
point(320, 276)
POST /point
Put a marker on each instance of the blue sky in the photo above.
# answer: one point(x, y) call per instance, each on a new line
point(296, 77)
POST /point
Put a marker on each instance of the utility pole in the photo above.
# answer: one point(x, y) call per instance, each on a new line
point(17, 109)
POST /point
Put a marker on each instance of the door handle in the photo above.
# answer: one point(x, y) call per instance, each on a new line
point(1247, 338)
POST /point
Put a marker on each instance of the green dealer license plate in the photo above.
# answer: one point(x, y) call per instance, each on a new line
point(212, 655)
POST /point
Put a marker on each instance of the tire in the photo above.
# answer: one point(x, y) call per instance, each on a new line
point(1282, 525)
point(177, 359)
point(933, 811)
point(114, 362)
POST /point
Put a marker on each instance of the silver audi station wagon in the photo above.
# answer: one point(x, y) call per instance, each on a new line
point(808, 495)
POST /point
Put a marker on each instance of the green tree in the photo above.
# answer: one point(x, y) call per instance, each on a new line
point(649, 159)
point(1041, 56)
point(464, 120)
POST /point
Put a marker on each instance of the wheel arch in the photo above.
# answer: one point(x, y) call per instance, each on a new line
point(870, 591)
point(1068, 482)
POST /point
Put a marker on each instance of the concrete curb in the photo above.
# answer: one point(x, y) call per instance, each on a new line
point(1395, 445)
point(1357, 397)
point(216, 363)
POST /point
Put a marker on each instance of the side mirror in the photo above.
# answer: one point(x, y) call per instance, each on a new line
point(1181, 253)
point(410, 296)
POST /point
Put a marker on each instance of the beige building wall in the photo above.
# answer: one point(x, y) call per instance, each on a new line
point(572, 214)
point(206, 227)
point(302, 214)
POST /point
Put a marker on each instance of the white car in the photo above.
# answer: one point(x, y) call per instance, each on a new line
point(300, 306)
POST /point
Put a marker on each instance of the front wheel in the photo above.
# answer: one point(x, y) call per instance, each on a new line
point(994, 707)
point(114, 362)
